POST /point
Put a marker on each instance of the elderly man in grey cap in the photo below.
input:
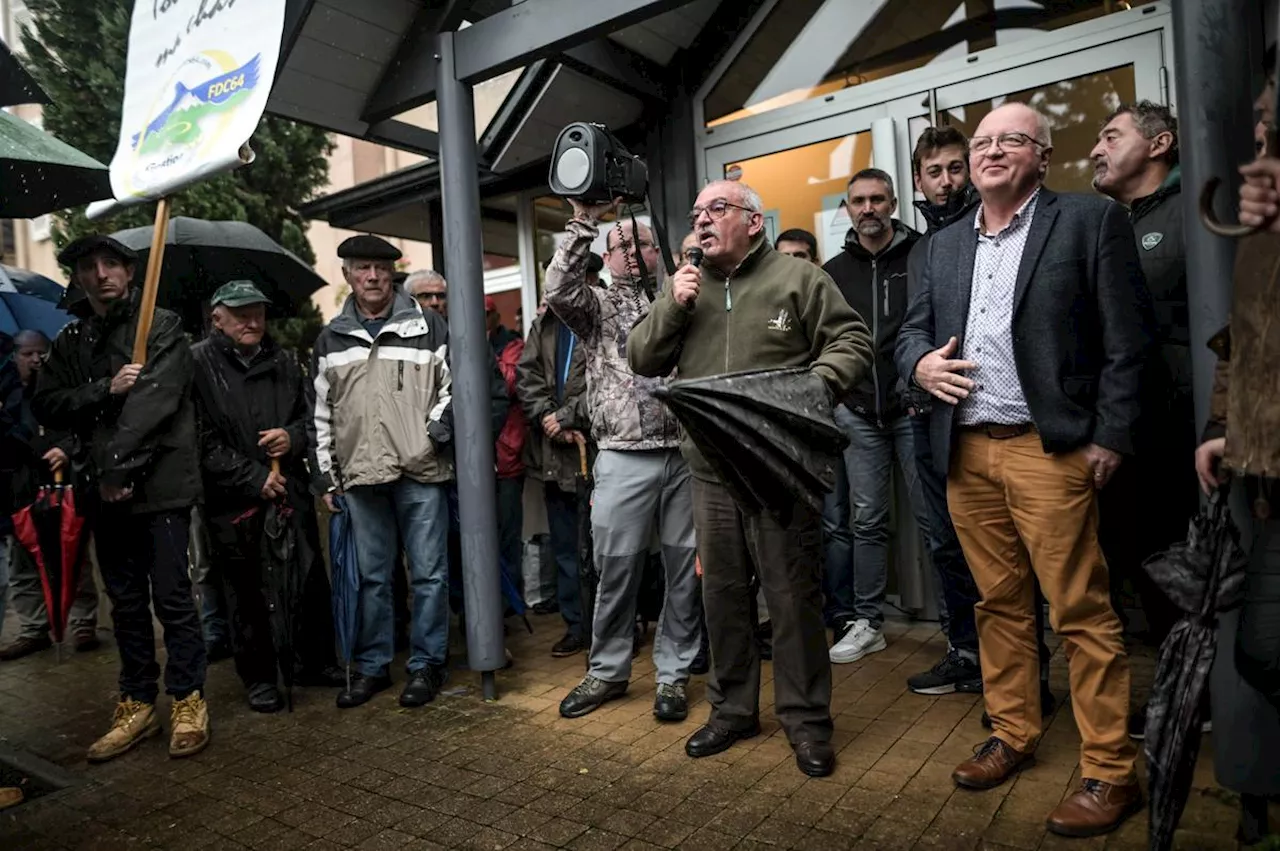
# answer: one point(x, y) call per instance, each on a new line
point(253, 406)
point(139, 467)
point(382, 428)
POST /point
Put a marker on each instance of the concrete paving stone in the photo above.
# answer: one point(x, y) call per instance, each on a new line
point(554, 803)
point(557, 831)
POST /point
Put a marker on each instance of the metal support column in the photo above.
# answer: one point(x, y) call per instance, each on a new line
point(1215, 101)
point(527, 242)
point(477, 504)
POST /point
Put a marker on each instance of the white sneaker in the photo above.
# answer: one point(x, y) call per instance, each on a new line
point(857, 642)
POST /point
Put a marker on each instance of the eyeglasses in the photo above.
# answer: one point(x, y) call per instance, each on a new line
point(1006, 141)
point(625, 243)
point(716, 210)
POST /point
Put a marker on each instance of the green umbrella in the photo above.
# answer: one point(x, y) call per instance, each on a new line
point(39, 174)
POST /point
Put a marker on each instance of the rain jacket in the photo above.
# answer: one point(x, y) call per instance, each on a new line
point(625, 415)
point(145, 439)
point(545, 459)
point(773, 311)
point(234, 402)
point(23, 443)
point(508, 453)
point(875, 285)
point(382, 406)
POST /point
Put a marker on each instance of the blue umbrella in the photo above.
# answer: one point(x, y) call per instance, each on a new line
point(31, 283)
point(346, 581)
point(20, 312)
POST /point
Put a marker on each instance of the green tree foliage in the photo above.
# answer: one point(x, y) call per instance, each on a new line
point(76, 51)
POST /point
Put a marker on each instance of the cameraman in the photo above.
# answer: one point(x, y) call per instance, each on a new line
point(640, 478)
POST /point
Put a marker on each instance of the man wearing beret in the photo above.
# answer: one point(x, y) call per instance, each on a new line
point(139, 470)
point(252, 405)
point(381, 426)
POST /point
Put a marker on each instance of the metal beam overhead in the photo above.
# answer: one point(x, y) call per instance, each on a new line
point(620, 67)
point(295, 18)
point(410, 79)
point(405, 136)
point(536, 29)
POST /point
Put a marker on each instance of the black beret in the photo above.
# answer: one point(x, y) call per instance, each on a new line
point(91, 243)
point(368, 247)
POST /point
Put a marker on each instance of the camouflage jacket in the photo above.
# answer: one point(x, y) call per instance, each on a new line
point(624, 413)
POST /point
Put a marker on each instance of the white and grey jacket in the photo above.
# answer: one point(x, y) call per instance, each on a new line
point(382, 405)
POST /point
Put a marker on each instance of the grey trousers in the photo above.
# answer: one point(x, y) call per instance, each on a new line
point(633, 491)
point(26, 595)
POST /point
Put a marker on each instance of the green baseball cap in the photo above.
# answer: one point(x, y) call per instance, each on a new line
point(238, 294)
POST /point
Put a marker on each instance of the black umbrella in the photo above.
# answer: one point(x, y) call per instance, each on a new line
point(16, 84)
point(200, 256)
point(1201, 577)
point(588, 576)
point(769, 434)
point(277, 542)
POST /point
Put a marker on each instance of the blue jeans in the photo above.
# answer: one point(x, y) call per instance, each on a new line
point(869, 463)
point(958, 588)
point(382, 516)
point(837, 543)
point(562, 523)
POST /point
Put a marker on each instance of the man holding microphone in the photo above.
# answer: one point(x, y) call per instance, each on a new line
point(762, 310)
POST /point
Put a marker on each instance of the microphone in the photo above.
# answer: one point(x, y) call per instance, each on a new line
point(695, 257)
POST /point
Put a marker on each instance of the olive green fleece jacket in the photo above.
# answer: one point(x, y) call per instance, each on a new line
point(772, 312)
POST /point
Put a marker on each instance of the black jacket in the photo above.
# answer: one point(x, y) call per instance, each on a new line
point(23, 443)
point(145, 439)
point(876, 287)
point(1081, 322)
point(234, 402)
point(1157, 223)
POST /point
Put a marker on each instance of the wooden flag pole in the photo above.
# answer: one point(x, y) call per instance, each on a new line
point(151, 284)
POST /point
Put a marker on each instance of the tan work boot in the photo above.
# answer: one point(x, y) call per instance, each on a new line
point(10, 796)
point(190, 722)
point(133, 722)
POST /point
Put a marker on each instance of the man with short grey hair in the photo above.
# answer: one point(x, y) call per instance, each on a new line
point(1039, 404)
point(429, 289)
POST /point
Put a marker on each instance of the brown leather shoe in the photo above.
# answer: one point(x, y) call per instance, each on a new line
point(1096, 809)
point(993, 763)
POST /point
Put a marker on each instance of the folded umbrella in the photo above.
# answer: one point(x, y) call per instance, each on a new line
point(769, 434)
point(20, 312)
point(52, 531)
point(200, 256)
point(1201, 577)
point(271, 529)
point(40, 174)
point(13, 279)
point(346, 582)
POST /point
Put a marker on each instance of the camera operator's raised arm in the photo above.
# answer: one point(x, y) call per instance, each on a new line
point(568, 292)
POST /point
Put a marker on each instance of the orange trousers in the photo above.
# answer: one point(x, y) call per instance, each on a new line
point(1019, 510)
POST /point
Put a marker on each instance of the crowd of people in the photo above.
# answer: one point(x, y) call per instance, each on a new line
point(1024, 363)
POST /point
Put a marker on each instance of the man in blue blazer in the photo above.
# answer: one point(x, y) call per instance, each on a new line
point(1031, 326)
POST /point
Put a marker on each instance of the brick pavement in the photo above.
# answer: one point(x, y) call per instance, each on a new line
point(461, 773)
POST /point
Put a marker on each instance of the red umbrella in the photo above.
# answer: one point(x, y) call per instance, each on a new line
point(52, 531)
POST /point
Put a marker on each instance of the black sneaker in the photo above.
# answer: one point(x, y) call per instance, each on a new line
point(546, 607)
point(589, 695)
point(362, 690)
point(945, 677)
point(566, 646)
point(423, 685)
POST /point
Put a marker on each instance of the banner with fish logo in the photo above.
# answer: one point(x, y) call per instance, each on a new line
point(198, 77)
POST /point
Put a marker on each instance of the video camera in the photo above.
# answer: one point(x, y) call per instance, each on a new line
point(590, 164)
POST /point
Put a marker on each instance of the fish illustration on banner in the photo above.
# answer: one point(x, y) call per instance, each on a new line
point(196, 85)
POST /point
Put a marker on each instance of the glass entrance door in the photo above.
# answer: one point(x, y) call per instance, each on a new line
point(1076, 92)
